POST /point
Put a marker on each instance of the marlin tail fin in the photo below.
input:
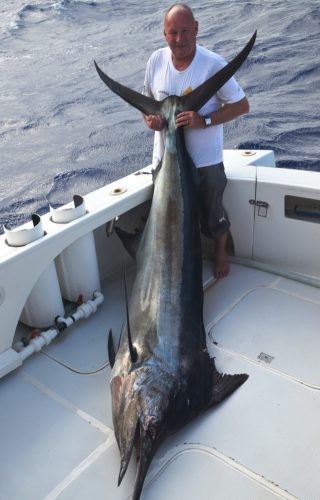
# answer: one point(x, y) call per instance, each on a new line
point(191, 102)
point(199, 96)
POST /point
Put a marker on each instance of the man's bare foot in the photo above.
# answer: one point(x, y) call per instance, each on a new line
point(221, 266)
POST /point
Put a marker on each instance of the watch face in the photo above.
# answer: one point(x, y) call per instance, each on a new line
point(207, 121)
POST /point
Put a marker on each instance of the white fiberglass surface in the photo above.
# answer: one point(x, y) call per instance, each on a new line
point(274, 320)
point(56, 424)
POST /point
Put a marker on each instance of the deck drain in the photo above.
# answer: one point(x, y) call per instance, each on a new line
point(248, 153)
point(117, 191)
point(265, 357)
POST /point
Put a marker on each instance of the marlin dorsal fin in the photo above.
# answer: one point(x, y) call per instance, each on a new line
point(111, 351)
point(132, 349)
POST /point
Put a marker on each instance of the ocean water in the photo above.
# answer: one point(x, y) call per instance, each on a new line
point(63, 132)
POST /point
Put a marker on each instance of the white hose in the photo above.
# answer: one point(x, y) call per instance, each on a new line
point(45, 338)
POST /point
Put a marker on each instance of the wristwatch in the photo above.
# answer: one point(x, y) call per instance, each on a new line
point(207, 121)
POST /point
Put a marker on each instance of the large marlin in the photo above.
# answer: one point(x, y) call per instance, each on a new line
point(162, 375)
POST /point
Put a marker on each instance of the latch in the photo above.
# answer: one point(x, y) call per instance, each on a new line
point(262, 207)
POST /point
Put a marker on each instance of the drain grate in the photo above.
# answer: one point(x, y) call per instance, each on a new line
point(265, 357)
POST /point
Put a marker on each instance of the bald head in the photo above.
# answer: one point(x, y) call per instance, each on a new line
point(179, 8)
point(180, 32)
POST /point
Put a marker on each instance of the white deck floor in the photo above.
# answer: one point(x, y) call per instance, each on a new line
point(261, 443)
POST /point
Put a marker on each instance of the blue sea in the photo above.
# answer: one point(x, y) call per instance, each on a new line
point(63, 132)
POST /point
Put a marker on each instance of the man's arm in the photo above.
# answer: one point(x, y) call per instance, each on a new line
point(225, 114)
point(191, 119)
point(230, 111)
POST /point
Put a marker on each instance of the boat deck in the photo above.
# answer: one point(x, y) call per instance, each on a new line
point(263, 442)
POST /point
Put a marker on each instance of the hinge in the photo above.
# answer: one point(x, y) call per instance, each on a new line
point(262, 207)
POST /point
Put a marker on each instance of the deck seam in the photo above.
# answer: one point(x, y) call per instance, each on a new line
point(172, 455)
point(90, 419)
point(82, 467)
point(261, 365)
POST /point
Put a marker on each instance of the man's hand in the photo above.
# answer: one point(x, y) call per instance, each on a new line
point(189, 119)
point(155, 122)
point(226, 113)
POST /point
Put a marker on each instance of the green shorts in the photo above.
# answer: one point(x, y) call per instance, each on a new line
point(211, 182)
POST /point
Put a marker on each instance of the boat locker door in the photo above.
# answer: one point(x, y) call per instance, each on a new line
point(286, 233)
point(241, 188)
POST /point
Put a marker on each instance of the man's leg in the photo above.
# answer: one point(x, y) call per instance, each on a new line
point(214, 220)
point(221, 261)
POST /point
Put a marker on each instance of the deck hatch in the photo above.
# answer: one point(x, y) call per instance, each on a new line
point(277, 322)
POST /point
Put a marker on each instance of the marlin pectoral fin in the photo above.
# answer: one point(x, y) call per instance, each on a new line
point(198, 97)
point(224, 385)
point(111, 351)
point(145, 104)
point(130, 241)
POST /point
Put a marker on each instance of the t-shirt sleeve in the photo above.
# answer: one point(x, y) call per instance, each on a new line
point(231, 92)
point(147, 80)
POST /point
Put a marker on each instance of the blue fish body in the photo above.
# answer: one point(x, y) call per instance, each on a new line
point(162, 375)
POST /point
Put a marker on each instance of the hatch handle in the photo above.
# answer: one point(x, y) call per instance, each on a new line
point(262, 207)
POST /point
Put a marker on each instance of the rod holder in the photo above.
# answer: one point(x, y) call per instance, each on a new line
point(44, 302)
point(77, 265)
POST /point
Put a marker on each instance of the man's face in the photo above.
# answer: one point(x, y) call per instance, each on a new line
point(180, 32)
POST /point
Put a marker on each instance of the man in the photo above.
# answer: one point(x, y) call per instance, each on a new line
point(176, 70)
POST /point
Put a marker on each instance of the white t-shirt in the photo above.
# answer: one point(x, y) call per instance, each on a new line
point(162, 79)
